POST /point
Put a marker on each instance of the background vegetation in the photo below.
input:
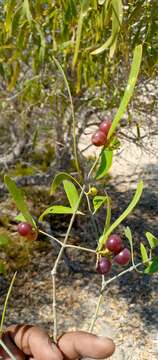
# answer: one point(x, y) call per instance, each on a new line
point(93, 41)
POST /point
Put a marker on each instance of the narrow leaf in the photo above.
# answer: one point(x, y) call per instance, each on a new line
point(153, 267)
point(153, 241)
point(105, 163)
point(129, 89)
point(108, 214)
point(117, 15)
point(78, 39)
point(129, 209)
point(71, 192)
point(58, 209)
point(19, 199)
point(60, 178)
point(16, 71)
point(26, 8)
point(128, 235)
point(9, 9)
point(144, 254)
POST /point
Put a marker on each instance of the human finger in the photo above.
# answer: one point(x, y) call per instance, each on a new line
point(82, 344)
point(19, 355)
point(35, 342)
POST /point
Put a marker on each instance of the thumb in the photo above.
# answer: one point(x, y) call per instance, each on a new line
point(82, 344)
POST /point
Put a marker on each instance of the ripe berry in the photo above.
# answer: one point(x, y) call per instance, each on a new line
point(105, 126)
point(24, 228)
point(123, 257)
point(103, 266)
point(114, 243)
point(99, 138)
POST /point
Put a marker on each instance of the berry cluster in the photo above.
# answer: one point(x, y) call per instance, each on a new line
point(99, 138)
point(122, 255)
point(25, 229)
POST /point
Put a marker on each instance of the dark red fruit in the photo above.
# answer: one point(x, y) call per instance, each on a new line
point(24, 229)
point(103, 266)
point(105, 126)
point(99, 138)
point(123, 257)
point(114, 243)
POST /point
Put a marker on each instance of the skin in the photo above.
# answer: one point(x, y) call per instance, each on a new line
point(32, 343)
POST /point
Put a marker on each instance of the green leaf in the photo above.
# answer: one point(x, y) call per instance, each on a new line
point(26, 9)
point(71, 192)
point(98, 201)
point(85, 6)
point(19, 199)
point(58, 209)
point(42, 45)
point(129, 209)
point(78, 38)
point(108, 214)
point(153, 241)
point(117, 15)
point(4, 239)
point(145, 258)
point(9, 9)
point(15, 74)
point(105, 163)
point(60, 178)
point(128, 235)
point(153, 267)
point(129, 89)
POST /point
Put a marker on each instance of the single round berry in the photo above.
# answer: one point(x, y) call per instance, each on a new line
point(105, 126)
point(103, 266)
point(114, 243)
point(99, 138)
point(24, 229)
point(123, 257)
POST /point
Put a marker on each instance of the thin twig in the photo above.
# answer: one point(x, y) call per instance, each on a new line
point(131, 268)
point(104, 285)
point(80, 248)
point(67, 245)
point(12, 357)
point(6, 302)
point(53, 272)
point(92, 217)
point(51, 237)
point(73, 115)
point(93, 167)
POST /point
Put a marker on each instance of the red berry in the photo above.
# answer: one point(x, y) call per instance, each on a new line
point(24, 229)
point(99, 138)
point(123, 257)
point(114, 243)
point(103, 266)
point(105, 126)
